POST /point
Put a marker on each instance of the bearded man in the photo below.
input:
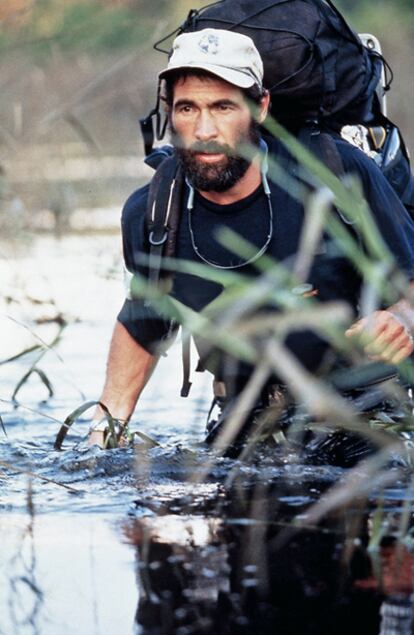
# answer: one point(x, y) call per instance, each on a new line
point(215, 102)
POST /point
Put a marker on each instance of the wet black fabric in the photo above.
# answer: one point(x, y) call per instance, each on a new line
point(332, 276)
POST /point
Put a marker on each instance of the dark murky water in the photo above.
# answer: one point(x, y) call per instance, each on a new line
point(172, 539)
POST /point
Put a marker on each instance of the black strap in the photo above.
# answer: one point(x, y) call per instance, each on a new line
point(147, 131)
point(323, 146)
point(163, 214)
point(148, 125)
point(163, 217)
point(186, 356)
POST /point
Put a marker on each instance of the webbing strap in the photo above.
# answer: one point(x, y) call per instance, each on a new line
point(186, 355)
point(163, 213)
point(155, 257)
point(147, 132)
point(163, 216)
point(323, 146)
point(152, 125)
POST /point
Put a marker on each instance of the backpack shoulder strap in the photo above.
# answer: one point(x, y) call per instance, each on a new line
point(163, 217)
point(163, 214)
point(323, 145)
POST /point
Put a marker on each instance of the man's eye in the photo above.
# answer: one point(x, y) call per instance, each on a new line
point(185, 109)
point(223, 107)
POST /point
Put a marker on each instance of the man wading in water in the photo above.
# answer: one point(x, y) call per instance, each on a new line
point(212, 80)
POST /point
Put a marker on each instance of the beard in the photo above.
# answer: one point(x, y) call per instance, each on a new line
point(222, 175)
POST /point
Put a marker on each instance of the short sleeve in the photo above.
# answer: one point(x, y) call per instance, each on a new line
point(147, 327)
point(134, 234)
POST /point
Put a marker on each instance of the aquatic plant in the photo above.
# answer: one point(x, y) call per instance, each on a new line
point(41, 347)
point(114, 425)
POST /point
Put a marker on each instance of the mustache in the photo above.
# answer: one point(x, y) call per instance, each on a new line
point(209, 147)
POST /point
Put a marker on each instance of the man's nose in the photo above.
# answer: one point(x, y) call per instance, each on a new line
point(206, 128)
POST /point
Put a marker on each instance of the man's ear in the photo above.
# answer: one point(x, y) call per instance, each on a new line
point(263, 107)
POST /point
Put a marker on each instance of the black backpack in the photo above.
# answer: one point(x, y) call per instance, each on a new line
point(315, 67)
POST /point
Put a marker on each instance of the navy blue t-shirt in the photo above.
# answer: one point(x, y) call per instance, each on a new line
point(333, 275)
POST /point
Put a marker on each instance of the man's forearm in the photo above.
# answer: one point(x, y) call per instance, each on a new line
point(128, 370)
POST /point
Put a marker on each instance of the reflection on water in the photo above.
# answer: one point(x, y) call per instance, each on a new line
point(252, 571)
point(63, 574)
point(238, 557)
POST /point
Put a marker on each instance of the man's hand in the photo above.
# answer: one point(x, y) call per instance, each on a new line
point(385, 335)
point(96, 437)
point(99, 434)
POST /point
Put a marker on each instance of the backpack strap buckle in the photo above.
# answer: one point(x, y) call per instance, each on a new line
point(156, 242)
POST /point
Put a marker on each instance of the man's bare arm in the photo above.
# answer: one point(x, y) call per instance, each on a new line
point(128, 370)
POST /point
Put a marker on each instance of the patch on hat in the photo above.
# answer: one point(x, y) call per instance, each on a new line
point(209, 44)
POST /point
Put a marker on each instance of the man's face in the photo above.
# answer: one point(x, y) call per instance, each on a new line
point(210, 118)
